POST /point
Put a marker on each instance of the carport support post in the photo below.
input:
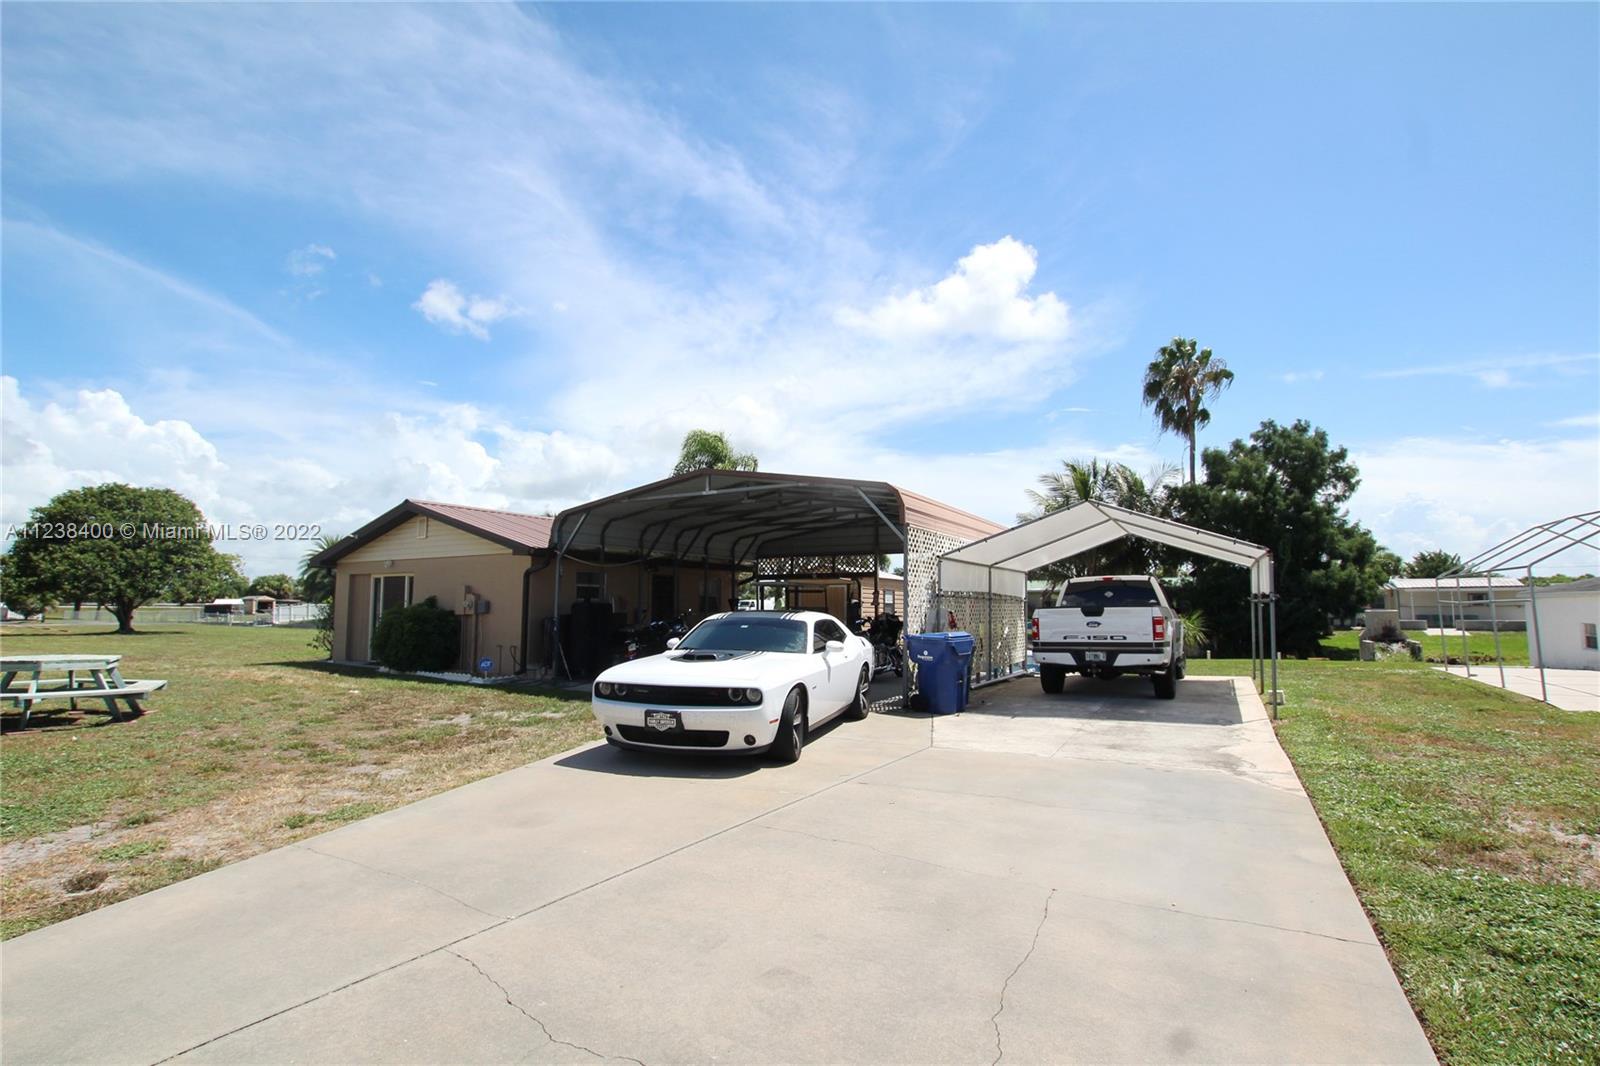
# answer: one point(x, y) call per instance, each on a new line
point(1255, 644)
point(1538, 645)
point(1494, 623)
point(1466, 640)
point(1444, 641)
point(1272, 613)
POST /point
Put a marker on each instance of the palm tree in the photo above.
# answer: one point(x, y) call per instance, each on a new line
point(1081, 480)
point(1177, 384)
point(705, 449)
point(316, 584)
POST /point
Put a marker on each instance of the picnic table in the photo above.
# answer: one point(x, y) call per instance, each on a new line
point(105, 682)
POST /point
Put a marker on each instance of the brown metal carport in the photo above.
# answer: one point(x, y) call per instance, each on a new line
point(771, 526)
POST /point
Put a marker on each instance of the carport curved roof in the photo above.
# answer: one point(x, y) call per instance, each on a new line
point(724, 516)
point(1083, 527)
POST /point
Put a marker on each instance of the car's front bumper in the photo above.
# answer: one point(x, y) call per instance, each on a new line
point(710, 729)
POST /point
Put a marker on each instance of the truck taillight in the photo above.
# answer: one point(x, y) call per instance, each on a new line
point(1035, 625)
point(1158, 627)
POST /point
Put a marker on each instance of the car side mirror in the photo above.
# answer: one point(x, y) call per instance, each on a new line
point(833, 645)
point(673, 642)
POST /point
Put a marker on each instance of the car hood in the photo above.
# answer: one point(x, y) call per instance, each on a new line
point(682, 667)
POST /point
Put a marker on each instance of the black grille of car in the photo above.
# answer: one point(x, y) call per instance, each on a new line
point(673, 696)
point(678, 738)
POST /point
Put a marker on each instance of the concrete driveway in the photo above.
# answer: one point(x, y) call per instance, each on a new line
point(1570, 690)
point(1092, 877)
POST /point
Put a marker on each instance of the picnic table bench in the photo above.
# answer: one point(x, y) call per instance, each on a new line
point(105, 682)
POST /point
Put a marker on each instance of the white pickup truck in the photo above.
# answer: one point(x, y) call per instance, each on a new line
point(1105, 626)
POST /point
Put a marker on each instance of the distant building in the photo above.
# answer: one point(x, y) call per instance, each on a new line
point(1567, 626)
point(1456, 599)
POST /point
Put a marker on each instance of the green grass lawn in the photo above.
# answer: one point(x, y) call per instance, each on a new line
point(253, 744)
point(1346, 644)
point(1469, 822)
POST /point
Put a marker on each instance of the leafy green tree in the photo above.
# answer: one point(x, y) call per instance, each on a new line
point(1177, 384)
point(316, 582)
point(1432, 563)
point(221, 577)
point(117, 545)
point(705, 449)
point(1284, 488)
point(278, 586)
point(1081, 480)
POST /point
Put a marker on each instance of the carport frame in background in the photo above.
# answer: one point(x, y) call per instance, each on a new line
point(1581, 530)
point(1087, 525)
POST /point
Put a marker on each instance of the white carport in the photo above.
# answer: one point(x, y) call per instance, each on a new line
point(983, 585)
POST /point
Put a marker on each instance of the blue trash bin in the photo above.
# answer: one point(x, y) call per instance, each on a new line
point(963, 645)
point(942, 660)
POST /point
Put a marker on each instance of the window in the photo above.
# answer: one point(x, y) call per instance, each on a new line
point(888, 601)
point(1109, 594)
point(1590, 640)
point(826, 630)
point(422, 527)
point(388, 591)
point(1477, 597)
point(591, 585)
point(746, 632)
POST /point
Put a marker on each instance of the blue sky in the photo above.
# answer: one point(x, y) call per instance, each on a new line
point(302, 261)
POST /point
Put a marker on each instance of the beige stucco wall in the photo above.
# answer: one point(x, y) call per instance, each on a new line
point(494, 576)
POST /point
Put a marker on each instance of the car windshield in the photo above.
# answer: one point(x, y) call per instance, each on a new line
point(1110, 594)
point(747, 632)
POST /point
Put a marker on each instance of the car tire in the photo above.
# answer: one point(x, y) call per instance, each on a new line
point(1052, 678)
point(791, 730)
point(1166, 684)
point(1183, 669)
point(862, 703)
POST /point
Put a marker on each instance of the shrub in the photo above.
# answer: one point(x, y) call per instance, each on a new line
point(322, 629)
point(423, 636)
point(1390, 633)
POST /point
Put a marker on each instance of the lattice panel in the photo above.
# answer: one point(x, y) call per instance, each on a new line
point(923, 548)
point(1000, 625)
point(816, 566)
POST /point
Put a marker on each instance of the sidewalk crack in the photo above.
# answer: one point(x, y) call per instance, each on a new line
point(542, 1027)
point(400, 877)
point(994, 1019)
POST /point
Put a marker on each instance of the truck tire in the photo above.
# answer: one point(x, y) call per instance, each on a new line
point(1051, 678)
point(1166, 684)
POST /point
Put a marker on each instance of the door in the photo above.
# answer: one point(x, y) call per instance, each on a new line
point(663, 598)
point(388, 591)
point(840, 667)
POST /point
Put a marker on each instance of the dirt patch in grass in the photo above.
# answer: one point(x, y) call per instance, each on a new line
point(255, 746)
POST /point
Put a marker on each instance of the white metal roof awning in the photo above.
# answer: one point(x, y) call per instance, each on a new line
point(1000, 563)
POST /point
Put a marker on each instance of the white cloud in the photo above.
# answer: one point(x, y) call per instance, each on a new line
point(446, 306)
point(1465, 495)
point(1301, 375)
point(985, 297)
point(1578, 421)
point(309, 261)
point(1501, 372)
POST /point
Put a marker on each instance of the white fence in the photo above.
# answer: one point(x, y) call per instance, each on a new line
point(180, 613)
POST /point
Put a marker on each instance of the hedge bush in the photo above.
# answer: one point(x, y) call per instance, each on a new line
point(423, 636)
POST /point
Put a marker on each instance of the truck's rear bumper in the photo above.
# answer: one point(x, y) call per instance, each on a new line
point(1120, 657)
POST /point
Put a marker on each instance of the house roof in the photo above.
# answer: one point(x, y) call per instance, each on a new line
point(1587, 584)
point(523, 533)
point(1404, 583)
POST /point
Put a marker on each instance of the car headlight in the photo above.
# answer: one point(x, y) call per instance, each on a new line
point(736, 695)
point(603, 687)
point(621, 690)
point(752, 695)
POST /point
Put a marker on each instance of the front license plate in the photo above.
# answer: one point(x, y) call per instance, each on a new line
point(1094, 656)
point(663, 721)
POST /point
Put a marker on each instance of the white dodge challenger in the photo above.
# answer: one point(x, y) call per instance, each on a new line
point(747, 681)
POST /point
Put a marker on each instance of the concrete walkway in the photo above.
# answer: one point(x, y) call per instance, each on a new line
point(1571, 690)
point(1093, 877)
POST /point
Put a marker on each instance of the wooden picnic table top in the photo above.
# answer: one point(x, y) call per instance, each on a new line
point(27, 664)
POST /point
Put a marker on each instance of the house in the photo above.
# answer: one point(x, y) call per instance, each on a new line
point(1425, 601)
point(878, 594)
point(1566, 626)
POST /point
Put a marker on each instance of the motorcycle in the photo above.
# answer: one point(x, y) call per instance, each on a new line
point(650, 638)
point(884, 634)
